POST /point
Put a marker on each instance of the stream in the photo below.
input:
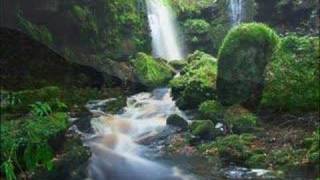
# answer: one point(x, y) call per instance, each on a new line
point(129, 145)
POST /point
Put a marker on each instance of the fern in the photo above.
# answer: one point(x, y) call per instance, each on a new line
point(8, 169)
point(41, 109)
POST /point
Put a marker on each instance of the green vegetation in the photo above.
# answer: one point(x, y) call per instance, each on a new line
point(203, 128)
point(243, 56)
point(239, 119)
point(197, 34)
point(212, 110)
point(151, 72)
point(196, 83)
point(24, 145)
point(235, 148)
point(40, 33)
point(293, 76)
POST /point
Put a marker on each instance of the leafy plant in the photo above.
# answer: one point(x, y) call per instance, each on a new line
point(40, 109)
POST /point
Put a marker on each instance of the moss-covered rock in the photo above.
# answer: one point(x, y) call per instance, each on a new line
point(151, 73)
point(204, 129)
point(239, 119)
point(212, 110)
point(177, 121)
point(292, 82)
point(243, 57)
point(196, 82)
point(232, 148)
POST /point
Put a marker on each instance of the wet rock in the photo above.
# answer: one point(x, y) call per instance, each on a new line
point(26, 63)
point(177, 121)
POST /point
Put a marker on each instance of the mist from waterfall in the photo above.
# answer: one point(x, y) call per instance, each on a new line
point(236, 11)
point(164, 31)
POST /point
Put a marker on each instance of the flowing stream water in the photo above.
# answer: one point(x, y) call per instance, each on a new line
point(236, 11)
point(164, 31)
point(116, 151)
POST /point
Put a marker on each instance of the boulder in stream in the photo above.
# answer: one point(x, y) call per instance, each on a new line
point(177, 121)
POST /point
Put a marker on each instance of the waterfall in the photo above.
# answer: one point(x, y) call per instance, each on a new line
point(236, 11)
point(164, 32)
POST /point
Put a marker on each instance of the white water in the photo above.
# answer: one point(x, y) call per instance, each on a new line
point(236, 11)
point(116, 152)
point(162, 22)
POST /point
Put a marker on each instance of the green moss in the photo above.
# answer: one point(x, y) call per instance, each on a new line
point(232, 148)
point(196, 82)
point(177, 121)
point(151, 73)
point(239, 119)
point(293, 76)
point(243, 56)
point(212, 110)
point(196, 26)
point(203, 128)
point(257, 161)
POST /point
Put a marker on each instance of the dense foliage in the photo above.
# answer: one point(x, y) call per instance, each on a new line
point(293, 75)
point(196, 82)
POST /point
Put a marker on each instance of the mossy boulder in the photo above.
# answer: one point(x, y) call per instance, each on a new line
point(203, 128)
point(150, 72)
point(243, 57)
point(196, 82)
point(177, 121)
point(239, 119)
point(212, 110)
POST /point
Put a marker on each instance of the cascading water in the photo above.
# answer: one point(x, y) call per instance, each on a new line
point(116, 151)
point(165, 43)
point(236, 11)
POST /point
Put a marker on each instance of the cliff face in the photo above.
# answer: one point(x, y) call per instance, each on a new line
point(116, 29)
point(297, 16)
point(26, 64)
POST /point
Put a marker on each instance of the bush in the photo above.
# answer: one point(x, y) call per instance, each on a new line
point(212, 110)
point(196, 82)
point(196, 26)
point(239, 120)
point(293, 76)
point(150, 72)
point(243, 56)
point(313, 145)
